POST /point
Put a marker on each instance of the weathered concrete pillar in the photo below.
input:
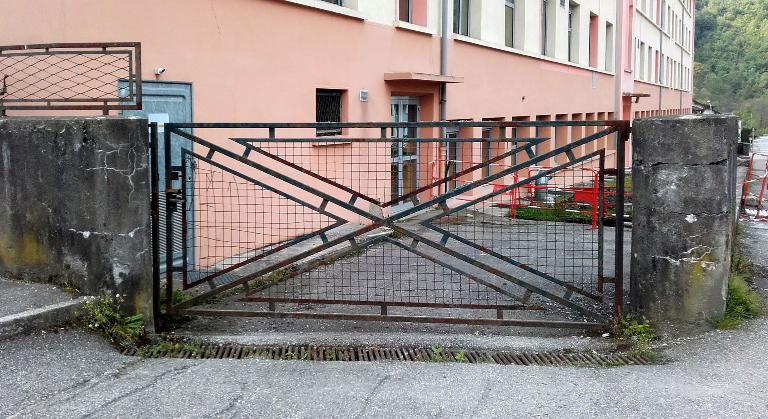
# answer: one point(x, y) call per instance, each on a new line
point(684, 185)
point(74, 204)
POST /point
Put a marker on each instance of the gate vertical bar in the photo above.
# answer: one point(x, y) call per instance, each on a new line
point(137, 76)
point(184, 227)
point(621, 139)
point(155, 214)
point(168, 222)
point(601, 224)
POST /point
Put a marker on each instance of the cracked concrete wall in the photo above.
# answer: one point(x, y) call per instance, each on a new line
point(75, 204)
point(684, 187)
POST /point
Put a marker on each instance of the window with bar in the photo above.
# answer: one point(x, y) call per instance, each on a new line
point(328, 109)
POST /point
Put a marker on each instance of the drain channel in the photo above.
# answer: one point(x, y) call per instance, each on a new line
point(413, 354)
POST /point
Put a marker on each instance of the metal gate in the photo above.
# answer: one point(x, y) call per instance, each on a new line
point(516, 223)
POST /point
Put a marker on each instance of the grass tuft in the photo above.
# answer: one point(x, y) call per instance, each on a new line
point(639, 333)
point(103, 315)
point(743, 303)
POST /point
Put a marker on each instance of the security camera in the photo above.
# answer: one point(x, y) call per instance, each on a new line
point(159, 70)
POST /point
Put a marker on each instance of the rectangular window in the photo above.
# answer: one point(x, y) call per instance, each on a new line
point(404, 11)
point(544, 26)
point(641, 64)
point(650, 64)
point(593, 36)
point(573, 32)
point(328, 109)
point(609, 47)
point(509, 23)
point(336, 2)
point(662, 61)
point(461, 17)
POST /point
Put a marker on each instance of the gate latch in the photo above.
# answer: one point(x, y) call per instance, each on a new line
point(172, 198)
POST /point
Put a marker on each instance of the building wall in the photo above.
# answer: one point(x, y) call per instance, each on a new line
point(233, 48)
point(263, 60)
point(662, 56)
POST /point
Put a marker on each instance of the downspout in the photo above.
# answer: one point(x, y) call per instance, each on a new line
point(444, 85)
point(618, 68)
point(444, 63)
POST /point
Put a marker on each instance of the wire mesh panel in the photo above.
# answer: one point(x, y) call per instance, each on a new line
point(70, 76)
point(398, 218)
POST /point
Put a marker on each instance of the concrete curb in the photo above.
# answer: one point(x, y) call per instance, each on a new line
point(39, 318)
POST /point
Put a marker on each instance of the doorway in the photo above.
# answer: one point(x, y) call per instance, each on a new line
point(165, 102)
point(405, 154)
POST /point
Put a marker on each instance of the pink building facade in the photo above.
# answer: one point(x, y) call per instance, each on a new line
point(267, 60)
point(380, 60)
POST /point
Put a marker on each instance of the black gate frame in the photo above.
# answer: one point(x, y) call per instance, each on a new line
point(175, 195)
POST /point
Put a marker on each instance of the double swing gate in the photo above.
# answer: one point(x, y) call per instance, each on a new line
point(489, 223)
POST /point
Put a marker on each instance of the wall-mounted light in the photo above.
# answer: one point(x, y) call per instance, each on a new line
point(159, 71)
point(364, 95)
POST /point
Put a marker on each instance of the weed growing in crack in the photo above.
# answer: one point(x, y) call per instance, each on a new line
point(102, 315)
point(70, 288)
point(639, 333)
point(436, 354)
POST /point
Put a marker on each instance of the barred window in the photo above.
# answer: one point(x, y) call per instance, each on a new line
point(328, 109)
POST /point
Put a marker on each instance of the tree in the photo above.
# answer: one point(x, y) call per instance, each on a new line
point(731, 66)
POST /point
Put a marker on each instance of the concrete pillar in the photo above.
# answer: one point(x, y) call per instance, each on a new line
point(684, 185)
point(74, 205)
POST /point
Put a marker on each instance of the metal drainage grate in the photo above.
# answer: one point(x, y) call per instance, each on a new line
point(335, 353)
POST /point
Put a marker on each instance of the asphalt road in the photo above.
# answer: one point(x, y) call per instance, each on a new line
point(72, 374)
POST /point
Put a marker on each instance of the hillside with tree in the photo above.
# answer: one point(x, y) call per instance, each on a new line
point(731, 66)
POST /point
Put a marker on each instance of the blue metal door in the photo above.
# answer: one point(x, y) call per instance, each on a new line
point(167, 102)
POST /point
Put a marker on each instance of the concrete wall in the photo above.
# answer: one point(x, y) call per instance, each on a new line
point(684, 186)
point(74, 204)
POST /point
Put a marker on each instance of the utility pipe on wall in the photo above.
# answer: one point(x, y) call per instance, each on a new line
point(618, 65)
point(444, 62)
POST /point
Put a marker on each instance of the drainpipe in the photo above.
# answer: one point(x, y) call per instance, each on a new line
point(661, 64)
point(618, 67)
point(444, 72)
point(444, 63)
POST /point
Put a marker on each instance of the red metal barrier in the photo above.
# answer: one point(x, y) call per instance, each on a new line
point(580, 185)
point(755, 178)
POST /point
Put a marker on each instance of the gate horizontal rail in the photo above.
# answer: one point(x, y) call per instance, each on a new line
point(361, 221)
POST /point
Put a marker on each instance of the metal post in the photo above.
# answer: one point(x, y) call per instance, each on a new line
point(168, 223)
point(622, 137)
point(155, 214)
point(601, 224)
point(138, 76)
